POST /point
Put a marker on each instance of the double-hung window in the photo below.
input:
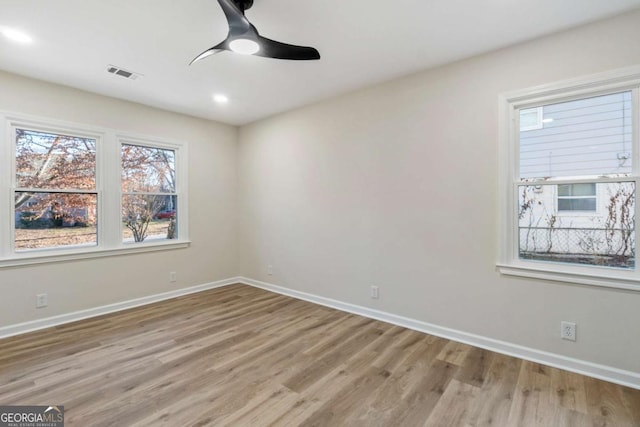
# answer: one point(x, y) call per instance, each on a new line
point(78, 192)
point(149, 197)
point(569, 181)
point(55, 198)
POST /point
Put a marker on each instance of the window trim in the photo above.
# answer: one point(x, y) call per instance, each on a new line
point(108, 177)
point(508, 262)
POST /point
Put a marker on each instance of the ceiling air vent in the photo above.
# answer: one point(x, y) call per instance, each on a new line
point(112, 69)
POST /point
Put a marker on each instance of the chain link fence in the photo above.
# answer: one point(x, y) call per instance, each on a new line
point(594, 246)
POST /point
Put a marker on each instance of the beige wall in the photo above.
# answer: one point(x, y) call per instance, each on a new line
point(78, 285)
point(396, 186)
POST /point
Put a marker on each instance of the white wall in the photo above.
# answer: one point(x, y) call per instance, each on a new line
point(396, 185)
point(79, 285)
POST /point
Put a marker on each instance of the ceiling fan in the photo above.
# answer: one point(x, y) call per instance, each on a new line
point(244, 38)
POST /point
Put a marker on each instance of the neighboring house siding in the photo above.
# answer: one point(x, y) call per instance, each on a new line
point(578, 138)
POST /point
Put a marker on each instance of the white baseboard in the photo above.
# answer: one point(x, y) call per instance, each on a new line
point(603, 372)
point(34, 325)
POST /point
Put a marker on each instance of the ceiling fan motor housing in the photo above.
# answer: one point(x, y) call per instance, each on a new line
point(243, 4)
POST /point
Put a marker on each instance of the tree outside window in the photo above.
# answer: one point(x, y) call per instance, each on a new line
point(55, 199)
point(149, 198)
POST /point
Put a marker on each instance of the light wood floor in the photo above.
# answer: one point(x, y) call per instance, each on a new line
point(241, 356)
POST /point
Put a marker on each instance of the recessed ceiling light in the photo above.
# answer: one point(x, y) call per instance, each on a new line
point(15, 35)
point(221, 99)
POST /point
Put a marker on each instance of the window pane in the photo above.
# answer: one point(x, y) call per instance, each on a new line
point(605, 238)
point(52, 161)
point(530, 119)
point(587, 189)
point(146, 169)
point(581, 138)
point(564, 190)
point(576, 190)
point(148, 217)
point(53, 220)
point(586, 204)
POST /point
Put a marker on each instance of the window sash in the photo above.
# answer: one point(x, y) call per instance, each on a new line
point(95, 210)
point(143, 233)
point(561, 150)
point(150, 171)
point(52, 158)
point(515, 191)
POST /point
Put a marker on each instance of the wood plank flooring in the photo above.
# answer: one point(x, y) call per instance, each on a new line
point(240, 356)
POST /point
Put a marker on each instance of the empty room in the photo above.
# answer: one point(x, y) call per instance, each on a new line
point(319, 213)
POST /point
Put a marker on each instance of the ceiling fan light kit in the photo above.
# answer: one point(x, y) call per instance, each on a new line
point(243, 38)
point(244, 46)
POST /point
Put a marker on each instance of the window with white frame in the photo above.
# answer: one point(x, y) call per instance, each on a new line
point(149, 197)
point(570, 181)
point(66, 200)
point(55, 199)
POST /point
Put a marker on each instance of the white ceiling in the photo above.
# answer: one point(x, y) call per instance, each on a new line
point(362, 42)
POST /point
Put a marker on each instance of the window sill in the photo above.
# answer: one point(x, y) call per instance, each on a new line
point(45, 257)
point(613, 280)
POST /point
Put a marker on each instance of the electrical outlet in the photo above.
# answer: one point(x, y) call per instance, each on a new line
point(568, 331)
point(270, 270)
point(41, 300)
point(375, 292)
point(172, 277)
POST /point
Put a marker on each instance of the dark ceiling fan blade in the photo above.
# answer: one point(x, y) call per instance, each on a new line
point(211, 51)
point(273, 49)
point(238, 23)
point(207, 53)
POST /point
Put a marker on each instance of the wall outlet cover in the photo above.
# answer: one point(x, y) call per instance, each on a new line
point(568, 331)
